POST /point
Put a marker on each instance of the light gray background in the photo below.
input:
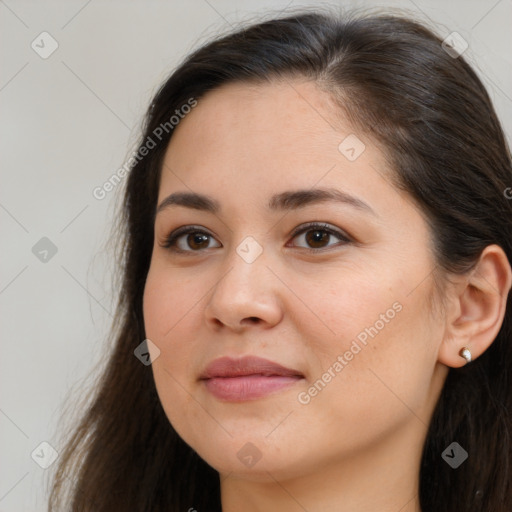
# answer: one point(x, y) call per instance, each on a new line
point(67, 123)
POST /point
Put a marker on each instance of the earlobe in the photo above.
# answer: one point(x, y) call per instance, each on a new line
point(477, 310)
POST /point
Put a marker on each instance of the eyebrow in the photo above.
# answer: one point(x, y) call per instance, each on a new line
point(284, 201)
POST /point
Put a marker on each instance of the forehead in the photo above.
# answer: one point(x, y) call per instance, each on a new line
point(283, 98)
point(283, 129)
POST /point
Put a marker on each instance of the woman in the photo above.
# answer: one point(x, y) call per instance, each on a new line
point(317, 265)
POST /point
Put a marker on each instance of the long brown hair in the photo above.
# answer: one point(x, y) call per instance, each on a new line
point(435, 122)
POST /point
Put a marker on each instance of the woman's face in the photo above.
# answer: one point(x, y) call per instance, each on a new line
point(304, 254)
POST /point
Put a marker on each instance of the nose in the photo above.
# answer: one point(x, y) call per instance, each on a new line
point(248, 294)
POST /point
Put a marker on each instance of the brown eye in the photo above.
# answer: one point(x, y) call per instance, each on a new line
point(320, 236)
point(189, 239)
point(197, 241)
point(317, 238)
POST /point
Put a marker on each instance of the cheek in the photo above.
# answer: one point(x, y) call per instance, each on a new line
point(170, 308)
point(338, 304)
point(169, 324)
point(168, 299)
point(375, 338)
point(382, 362)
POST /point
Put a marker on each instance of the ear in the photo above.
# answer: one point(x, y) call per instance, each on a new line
point(476, 307)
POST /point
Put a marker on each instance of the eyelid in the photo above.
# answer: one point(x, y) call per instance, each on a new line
point(342, 236)
point(170, 239)
point(321, 226)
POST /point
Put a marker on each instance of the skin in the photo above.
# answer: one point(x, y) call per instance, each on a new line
point(357, 444)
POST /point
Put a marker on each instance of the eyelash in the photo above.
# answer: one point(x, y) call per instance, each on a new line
point(171, 239)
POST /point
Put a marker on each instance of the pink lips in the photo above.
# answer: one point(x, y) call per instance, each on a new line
point(248, 378)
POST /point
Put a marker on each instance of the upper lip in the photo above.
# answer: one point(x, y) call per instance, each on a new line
point(247, 365)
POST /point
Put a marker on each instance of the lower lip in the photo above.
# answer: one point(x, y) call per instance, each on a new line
point(248, 387)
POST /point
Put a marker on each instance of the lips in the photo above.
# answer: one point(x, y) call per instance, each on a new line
point(248, 378)
point(248, 365)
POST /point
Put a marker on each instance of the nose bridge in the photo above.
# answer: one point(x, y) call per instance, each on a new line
point(246, 269)
point(246, 289)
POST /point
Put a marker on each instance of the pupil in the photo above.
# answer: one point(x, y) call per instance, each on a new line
point(197, 240)
point(316, 237)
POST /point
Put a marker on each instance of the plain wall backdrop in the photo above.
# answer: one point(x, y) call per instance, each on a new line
point(69, 119)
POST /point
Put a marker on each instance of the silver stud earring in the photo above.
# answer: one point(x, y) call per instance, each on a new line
point(466, 354)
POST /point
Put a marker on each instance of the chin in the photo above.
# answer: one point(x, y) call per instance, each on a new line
point(253, 460)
